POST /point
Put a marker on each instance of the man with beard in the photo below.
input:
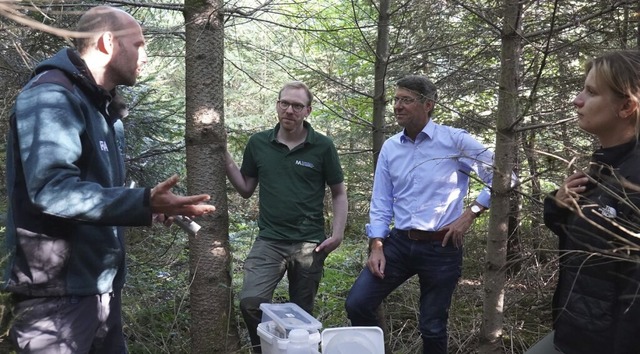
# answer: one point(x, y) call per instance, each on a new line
point(67, 193)
point(293, 165)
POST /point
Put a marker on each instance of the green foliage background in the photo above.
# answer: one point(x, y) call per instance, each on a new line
point(330, 45)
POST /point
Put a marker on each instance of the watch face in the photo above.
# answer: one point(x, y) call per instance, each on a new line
point(475, 209)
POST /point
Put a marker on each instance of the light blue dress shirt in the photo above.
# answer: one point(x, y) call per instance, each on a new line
point(422, 184)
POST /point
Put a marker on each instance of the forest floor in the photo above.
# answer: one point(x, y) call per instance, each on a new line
point(527, 298)
point(156, 308)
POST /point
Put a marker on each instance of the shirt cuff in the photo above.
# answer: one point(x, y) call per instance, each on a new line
point(146, 199)
point(376, 231)
point(484, 199)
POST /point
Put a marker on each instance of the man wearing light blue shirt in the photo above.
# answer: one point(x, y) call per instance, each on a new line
point(421, 181)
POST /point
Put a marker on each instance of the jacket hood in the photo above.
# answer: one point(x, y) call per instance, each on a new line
point(70, 62)
point(73, 66)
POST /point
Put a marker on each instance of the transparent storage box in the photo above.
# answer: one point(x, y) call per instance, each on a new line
point(272, 343)
point(288, 316)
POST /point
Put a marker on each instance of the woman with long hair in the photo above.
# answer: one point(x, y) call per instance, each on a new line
point(596, 215)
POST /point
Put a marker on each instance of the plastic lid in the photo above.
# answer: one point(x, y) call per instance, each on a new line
point(289, 316)
point(350, 340)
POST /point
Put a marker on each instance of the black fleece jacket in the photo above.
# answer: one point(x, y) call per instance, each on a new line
point(596, 306)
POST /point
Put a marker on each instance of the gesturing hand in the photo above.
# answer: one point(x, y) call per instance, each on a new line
point(163, 201)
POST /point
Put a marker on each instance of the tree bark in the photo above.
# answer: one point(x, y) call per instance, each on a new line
point(379, 110)
point(212, 321)
point(506, 145)
point(637, 26)
point(380, 74)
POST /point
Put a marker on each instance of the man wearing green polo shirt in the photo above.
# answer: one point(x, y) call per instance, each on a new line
point(293, 164)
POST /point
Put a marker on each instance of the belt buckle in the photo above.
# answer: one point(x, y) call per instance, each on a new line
point(412, 238)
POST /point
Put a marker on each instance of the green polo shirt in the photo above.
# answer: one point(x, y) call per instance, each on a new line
point(292, 183)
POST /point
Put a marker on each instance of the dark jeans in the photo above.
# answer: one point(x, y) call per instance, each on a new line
point(438, 269)
point(69, 325)
point(266, 265)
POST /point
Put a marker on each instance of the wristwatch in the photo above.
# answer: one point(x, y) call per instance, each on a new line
point(476, 210)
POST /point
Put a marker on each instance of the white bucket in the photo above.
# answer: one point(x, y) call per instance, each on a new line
point(353, 340)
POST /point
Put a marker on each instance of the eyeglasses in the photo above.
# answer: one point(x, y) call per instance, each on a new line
point(405, 101)
point(297, 107)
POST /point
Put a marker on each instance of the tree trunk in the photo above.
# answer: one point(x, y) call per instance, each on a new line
point(379, 110)
point(212, 321)
point(637, 26)
point(514, 246)
point(506, 145)
point(380, 74)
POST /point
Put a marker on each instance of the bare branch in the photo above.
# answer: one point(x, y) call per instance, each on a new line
point(578, 21)
point(543, 125)
point(10, 12)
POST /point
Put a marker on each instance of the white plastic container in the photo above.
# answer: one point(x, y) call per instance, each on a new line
point(288, 316)
point(272, 344)
point(279, 320)
point(353, 340)
point(299, 342)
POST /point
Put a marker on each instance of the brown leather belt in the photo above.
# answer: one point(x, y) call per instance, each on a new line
point(421, 235)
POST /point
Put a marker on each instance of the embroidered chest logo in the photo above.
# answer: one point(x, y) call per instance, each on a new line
point(103, 145)
point(608, 212)
point(304, 163)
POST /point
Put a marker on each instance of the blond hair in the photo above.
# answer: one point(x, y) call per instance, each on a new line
point(297, 85)
point(620, 72)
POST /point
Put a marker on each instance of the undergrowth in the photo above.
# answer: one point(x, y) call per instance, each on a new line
point(156, 302)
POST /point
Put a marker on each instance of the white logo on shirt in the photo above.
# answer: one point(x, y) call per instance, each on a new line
point(304, 163)
point(103, 145)
point(608, 212)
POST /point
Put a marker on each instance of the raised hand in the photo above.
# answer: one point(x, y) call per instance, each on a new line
point(568, 194)
point(164, 201)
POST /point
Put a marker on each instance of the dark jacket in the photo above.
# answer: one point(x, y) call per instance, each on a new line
point(65, 181)
point(596, 306)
